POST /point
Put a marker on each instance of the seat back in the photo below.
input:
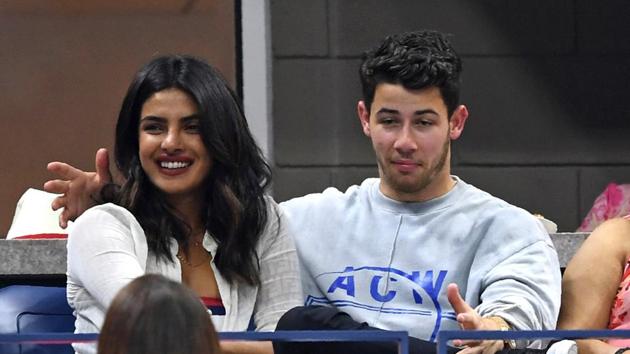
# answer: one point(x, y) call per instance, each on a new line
point(35, 309)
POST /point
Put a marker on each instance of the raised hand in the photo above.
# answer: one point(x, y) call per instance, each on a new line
point(469, 319)
point(79, 189)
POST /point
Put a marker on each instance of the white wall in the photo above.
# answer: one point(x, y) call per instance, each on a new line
point(257, 72)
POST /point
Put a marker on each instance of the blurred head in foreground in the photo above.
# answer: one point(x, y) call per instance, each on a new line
point(153, 314)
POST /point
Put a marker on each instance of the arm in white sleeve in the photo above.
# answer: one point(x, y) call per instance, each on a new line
point(280, 288)
point(105, 252)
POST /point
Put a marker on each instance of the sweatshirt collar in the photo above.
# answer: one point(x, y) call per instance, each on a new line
point(431, 205)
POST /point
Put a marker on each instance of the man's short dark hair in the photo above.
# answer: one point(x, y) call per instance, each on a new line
point(416, 60)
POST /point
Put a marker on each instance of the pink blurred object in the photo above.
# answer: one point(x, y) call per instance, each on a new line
point(613, 202)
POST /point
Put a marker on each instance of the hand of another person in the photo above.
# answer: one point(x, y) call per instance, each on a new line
point(79, 189)
point(469, 319)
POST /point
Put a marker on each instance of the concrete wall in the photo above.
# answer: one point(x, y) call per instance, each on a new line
point(65, 66)
point(545, 82)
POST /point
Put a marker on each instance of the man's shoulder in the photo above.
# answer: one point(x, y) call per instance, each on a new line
point(330, 197)
point(486, 201)
point(491, 209)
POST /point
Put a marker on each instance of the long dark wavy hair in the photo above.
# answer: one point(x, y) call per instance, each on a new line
point(235, 208)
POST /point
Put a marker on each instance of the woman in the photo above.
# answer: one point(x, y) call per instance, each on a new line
point(192, 207)
point(596, 287)
point(153, 314)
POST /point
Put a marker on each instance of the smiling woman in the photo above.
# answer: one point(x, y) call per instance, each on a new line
point(172, 153)
point(192, 207)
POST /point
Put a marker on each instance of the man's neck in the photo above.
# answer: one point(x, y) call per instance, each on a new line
point(435, 190)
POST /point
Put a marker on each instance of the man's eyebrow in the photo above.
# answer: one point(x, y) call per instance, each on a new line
point(425, 111)
point(417, 113)
point(387, 110)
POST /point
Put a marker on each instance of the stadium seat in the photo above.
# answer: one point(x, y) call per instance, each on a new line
point(34, 309)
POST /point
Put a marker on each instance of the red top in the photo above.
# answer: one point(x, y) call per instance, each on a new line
point(214, 304)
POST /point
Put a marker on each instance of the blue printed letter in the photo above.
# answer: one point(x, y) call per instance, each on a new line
point(343, 282)
point(374, 290)
point(415, 277)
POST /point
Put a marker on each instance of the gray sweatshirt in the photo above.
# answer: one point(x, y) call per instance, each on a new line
point(388, 263)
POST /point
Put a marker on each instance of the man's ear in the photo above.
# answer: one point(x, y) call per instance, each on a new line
point(458, 120)
point(364, 117)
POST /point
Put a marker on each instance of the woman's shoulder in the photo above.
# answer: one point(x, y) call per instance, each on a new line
point(106, 227)
point(106, 212)
point(105, 218)
point(271, 204)
point(276, 222)
point(616, 230)
point(274, 213)
point(610, 241)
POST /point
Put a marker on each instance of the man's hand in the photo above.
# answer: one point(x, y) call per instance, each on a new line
point(469, 319)
point(79, 189)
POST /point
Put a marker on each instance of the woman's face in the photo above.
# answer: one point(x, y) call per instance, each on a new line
point(172, 153)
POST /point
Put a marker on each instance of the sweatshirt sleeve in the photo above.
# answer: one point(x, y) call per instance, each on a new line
point(524, 285)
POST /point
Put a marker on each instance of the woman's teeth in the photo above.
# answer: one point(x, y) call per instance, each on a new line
point(174, 164)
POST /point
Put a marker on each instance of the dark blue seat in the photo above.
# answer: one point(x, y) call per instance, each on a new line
point(34, 309)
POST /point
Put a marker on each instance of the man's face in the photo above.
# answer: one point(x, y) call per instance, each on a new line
point(411, 135)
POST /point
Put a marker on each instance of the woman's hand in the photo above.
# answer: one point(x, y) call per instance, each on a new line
point(79, 189)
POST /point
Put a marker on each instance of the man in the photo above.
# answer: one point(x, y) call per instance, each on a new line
point(384, 251)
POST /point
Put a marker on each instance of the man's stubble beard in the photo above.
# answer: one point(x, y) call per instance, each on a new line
point(426, 177)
